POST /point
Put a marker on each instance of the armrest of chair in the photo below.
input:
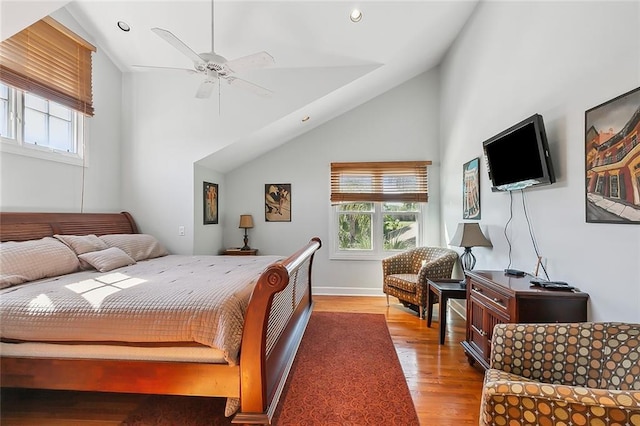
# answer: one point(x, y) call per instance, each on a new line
point(439, 268)
point(396, 264)
point(510, 398)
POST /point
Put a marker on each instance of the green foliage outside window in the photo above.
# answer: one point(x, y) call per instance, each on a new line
point(355, 226)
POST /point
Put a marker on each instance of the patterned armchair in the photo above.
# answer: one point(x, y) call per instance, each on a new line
point(405, 277)
point(563, 374)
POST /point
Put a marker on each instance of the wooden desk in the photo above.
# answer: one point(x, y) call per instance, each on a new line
point(445, 290)
point(238, 252)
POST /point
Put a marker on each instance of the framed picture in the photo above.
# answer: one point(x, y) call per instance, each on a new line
point(612, 160)
point(210, 203)
point(277, 202)
point(471, 190)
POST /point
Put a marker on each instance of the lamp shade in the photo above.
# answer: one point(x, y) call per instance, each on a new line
point(469, 235)
point(246, 221)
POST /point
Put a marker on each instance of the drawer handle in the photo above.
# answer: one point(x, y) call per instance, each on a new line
point(482, 333)
point(477, 290)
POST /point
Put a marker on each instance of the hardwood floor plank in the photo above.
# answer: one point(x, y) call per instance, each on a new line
point(444, 387)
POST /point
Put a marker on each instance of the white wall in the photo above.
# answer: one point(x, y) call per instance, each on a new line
point(557, 59)
point(401, 124)
point(33, 184)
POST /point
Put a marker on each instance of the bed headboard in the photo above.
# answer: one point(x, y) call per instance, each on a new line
point(33, 226)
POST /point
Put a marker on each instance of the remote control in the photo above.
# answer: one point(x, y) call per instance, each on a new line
point(514, 272)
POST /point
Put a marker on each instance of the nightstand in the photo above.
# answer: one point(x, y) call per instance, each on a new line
point(238, 252)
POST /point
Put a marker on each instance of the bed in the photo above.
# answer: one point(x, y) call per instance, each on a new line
point(273, 319)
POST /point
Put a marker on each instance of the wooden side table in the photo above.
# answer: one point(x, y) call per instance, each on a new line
point(445, 290)
point(238, 252)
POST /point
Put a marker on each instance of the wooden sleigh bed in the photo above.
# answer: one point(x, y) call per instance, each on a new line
point(274, 323)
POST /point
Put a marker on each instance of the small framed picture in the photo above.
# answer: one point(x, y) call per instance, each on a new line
point(277, 202)
point(210, 203)
point(471, 190)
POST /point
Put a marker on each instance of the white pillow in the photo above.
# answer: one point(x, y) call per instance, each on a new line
point(107, 259)
point(138, 246)
point(82, 243)
point(23, 261)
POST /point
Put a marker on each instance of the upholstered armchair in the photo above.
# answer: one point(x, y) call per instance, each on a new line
point(404, 276)
point(563, 374)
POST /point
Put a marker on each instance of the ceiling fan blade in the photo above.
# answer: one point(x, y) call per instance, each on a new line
point(205, 89)
point(256, 60)
point(258, 90)
point(178, 44)
point(152, 67)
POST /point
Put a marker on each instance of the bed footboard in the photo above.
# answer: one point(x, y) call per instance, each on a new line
point(277, 317)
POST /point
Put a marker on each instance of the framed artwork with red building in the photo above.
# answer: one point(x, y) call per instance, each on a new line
point(471, 190)
point(612, 160)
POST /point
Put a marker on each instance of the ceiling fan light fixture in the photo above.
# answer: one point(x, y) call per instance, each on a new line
point(355, 15)
point(124, 26)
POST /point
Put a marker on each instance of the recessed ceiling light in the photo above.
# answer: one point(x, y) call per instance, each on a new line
point(305, 118)
point(355, 15)
point(124, 26)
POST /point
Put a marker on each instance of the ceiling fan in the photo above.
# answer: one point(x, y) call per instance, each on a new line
point(215, 67)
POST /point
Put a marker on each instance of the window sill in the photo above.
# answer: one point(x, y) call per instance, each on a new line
point(10, 147)
point(361, 256)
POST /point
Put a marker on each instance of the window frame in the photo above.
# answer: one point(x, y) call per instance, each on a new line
point(377, 251)
point(15, 143)
point(377, 183)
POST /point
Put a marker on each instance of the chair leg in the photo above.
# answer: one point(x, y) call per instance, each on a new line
point(387, 300)
point(421, 313)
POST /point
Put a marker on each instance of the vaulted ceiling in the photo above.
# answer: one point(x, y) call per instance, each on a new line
point(314, 44)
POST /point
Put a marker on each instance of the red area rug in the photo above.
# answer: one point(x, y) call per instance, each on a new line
point(346, 373)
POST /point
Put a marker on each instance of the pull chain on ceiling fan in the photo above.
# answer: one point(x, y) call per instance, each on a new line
point(215, 67)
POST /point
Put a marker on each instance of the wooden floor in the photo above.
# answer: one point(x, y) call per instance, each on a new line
point(444, 387)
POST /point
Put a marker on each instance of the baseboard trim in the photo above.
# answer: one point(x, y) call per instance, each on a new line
point(347, 291)
point(459, 307)
point(456, 305)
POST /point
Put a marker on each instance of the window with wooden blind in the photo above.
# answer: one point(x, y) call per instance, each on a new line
point(377, 208)
point(45, 92)
point(400, 181)
point(50, 61)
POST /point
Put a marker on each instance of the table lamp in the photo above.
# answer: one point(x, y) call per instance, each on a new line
point(246, 222)
point(469, 235)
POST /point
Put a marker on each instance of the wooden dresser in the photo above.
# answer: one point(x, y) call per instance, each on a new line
point(494, 297)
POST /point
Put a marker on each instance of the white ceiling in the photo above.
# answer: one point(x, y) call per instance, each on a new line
point(395, 41)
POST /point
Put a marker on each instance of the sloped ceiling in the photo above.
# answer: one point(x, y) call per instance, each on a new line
point(314, 43)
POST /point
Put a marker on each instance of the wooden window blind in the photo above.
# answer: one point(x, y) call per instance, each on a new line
point(50, 61)
point(396, 181)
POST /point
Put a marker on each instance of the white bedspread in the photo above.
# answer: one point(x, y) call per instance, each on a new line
point(174, 298)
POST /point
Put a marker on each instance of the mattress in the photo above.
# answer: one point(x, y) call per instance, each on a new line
point(181, 301)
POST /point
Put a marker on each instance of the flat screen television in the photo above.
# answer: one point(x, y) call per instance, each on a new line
point(518, 157)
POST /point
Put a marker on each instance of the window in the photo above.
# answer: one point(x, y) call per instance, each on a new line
point(5, 129)
point(615, 189)
point(46, 90)
point(377, 208)
point(29, 121)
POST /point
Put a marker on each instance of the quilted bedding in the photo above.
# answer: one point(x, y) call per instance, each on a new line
point(174, 298)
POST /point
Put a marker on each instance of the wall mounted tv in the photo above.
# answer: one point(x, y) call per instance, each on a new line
point(518, 157)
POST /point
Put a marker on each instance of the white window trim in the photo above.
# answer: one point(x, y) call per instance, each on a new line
point(17, 146)
point(377, 253)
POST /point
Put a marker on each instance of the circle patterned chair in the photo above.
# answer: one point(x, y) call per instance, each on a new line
point(563, 374)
